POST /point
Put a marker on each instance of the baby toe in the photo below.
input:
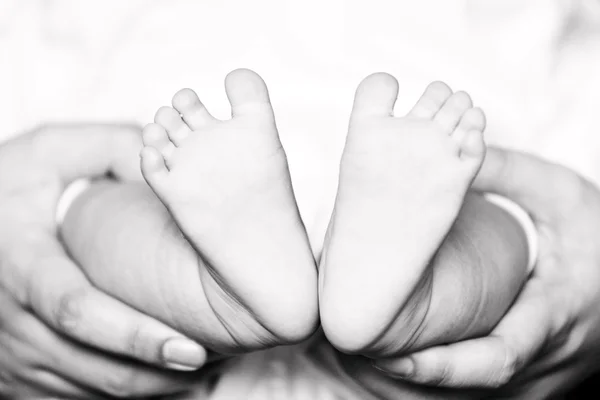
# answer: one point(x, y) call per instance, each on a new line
point(154, 135)
point(452, 111)
point(434, 97)
point(193, 112)
point(170, 119)
point(472, 150)
point(153, 166)
point(473, 119)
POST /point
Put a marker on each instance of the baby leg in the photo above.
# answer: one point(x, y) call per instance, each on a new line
point(402, 184)
point(229, 263)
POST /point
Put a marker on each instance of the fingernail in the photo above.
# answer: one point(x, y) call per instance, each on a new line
point(183, 354)
point(399, 367)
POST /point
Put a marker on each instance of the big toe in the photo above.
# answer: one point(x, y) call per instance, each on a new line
point(375, 96)
point(247, 93)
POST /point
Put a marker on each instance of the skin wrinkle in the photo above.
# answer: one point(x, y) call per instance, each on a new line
point(476, 253)
point(423, 287)
point(227, 295)
point(170, 226)
point(233, 303)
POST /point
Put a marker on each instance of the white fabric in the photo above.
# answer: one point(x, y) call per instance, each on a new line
point(531, 64)
point(72, 191)
point(521, 216)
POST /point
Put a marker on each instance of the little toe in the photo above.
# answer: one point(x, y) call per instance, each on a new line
point(473, 119)
point(432, 100)
point(247, 93)
point(375, 96)
point(154, 135)
point(452, 111)
point(472, 149)
point(170, 119)
point(193, 112)
point(153, 166)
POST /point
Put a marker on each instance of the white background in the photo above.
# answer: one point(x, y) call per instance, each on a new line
point(533, 65)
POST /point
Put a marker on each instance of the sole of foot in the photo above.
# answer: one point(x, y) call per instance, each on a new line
point(402, 183)
point(227, 186)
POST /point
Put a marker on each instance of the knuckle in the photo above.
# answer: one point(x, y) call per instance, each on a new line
point(135, 342)
point(69, 311)
point(120, 383)
point(19, 273)
point(432, 369)
point(441, 376)
point(508, 370)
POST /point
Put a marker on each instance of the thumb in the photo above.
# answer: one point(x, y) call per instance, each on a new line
point(488, 362)
point(540, 187)
point(85, 150)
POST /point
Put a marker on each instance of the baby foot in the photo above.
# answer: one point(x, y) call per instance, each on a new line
point(227, 185)
point(402, 183)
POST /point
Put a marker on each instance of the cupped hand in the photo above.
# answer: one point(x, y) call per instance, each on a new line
point(60, 336)
point(550, 338)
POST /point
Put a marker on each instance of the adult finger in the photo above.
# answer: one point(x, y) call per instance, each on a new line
point(46, 385)
point(84, 150)
point(488, 362)
point(40, 383)
point(542, 188)
point(59, 292)
point(55, 360)
point(22, 373)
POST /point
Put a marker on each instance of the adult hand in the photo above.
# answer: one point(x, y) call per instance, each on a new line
point(550, 338)
point(60, 336)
